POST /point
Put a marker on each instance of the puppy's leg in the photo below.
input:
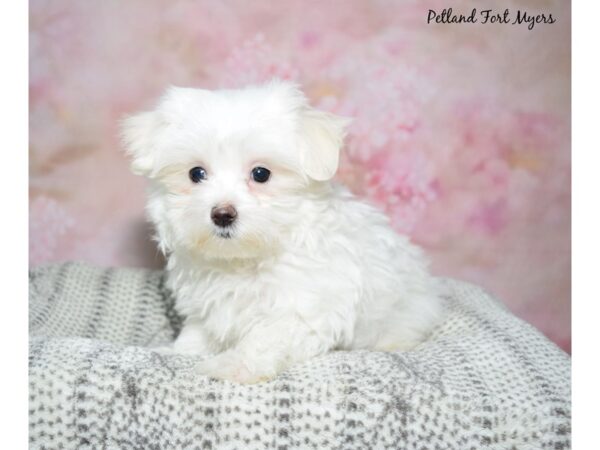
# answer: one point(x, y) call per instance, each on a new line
point(266, 350)
point(408, 326)
point(192, 340)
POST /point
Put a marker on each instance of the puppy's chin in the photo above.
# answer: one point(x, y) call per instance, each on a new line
point(229, 243)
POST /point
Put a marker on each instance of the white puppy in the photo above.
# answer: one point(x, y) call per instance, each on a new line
point(271, 263)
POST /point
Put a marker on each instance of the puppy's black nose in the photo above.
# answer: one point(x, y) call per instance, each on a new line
point(223, 216)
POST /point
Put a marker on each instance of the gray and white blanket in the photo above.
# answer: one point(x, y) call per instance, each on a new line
point(485, 379)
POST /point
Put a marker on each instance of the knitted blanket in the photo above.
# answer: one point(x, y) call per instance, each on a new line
point(485, 379)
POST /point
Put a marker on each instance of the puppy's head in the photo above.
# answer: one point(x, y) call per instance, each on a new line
point(229, 168)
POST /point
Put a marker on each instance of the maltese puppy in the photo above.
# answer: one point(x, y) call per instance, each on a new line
point(271, 262)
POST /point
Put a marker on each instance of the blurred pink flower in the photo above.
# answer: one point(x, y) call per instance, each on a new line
point(255, 61)
point(402, 183)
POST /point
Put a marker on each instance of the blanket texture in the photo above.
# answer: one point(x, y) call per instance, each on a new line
point(484, 379)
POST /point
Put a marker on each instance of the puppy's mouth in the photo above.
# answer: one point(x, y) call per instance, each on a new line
point(224, 233)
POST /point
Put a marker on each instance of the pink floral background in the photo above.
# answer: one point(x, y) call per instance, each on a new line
point(462, 132)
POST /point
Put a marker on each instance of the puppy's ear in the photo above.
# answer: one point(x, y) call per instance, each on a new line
point(321, 138)
point(139, 134)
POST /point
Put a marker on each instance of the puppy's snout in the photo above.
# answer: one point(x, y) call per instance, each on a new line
point(223, 216)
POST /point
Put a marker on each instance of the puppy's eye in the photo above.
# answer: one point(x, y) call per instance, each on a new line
point(260, 174)
point(197, 174)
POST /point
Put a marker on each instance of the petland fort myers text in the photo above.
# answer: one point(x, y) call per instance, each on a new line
point(490, 16)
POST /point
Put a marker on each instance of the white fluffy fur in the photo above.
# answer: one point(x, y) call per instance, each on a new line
point(308, 267)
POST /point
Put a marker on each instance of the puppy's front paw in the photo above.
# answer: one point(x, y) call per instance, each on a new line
point(163, 349)
point(231, 367)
